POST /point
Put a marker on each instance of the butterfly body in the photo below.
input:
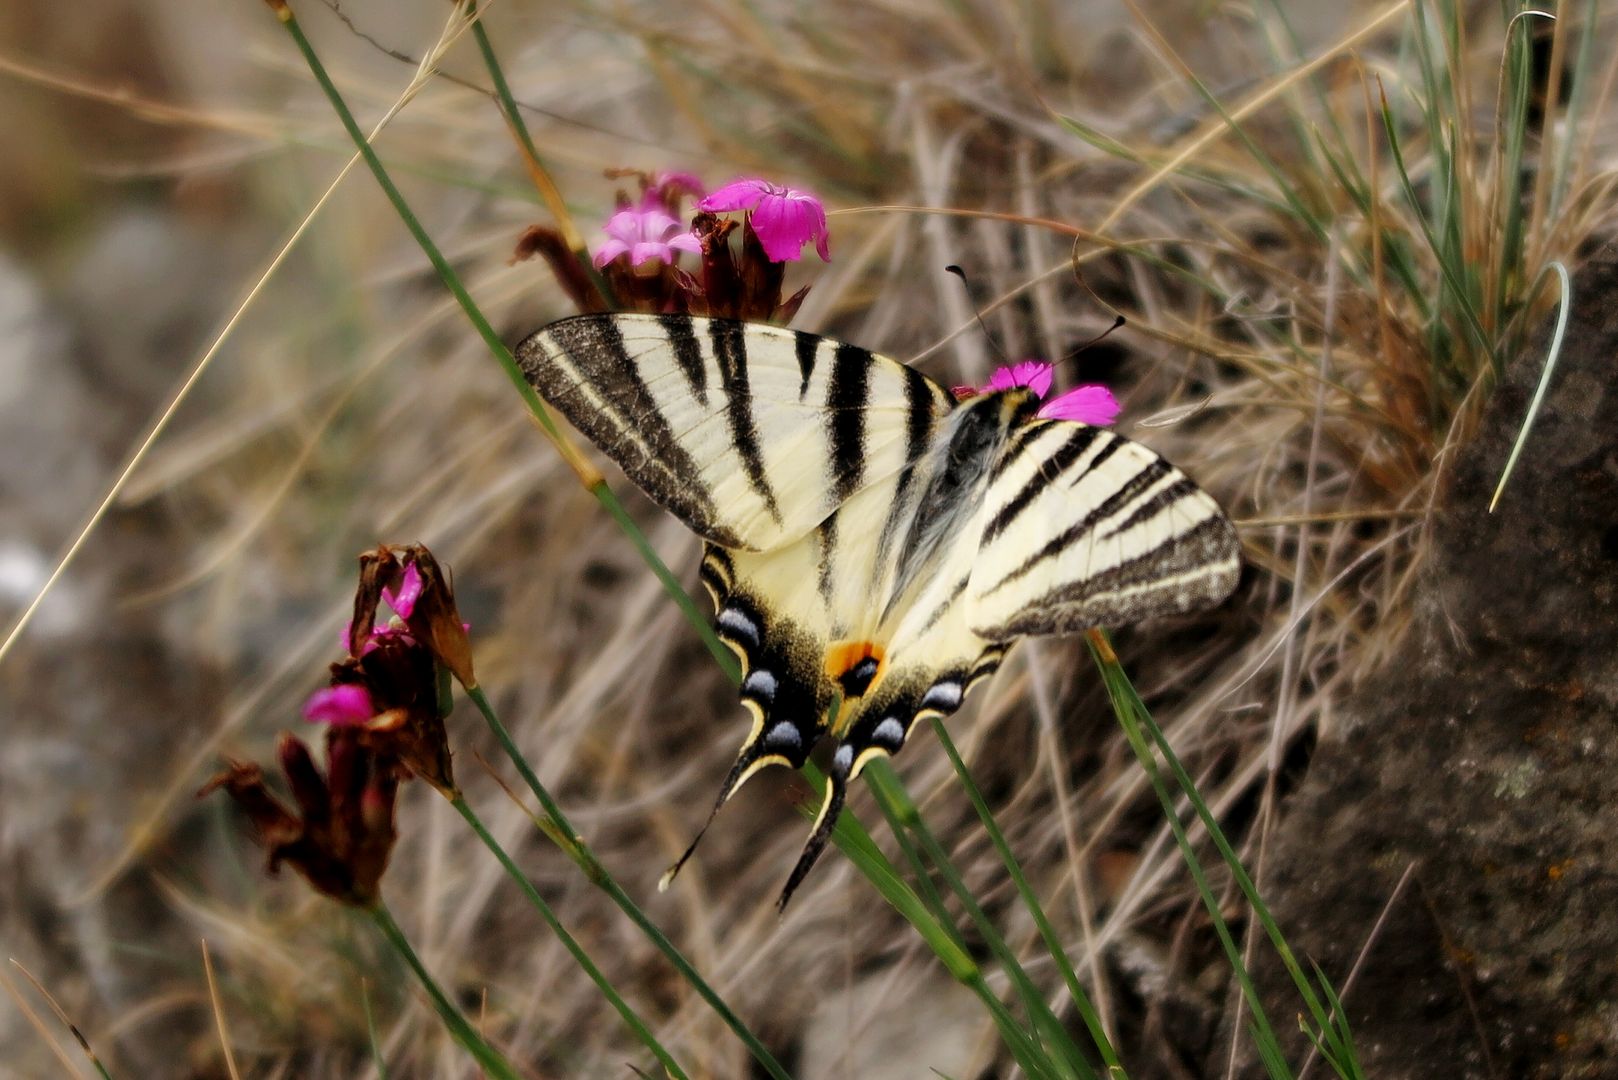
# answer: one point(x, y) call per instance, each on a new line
point(873, 546)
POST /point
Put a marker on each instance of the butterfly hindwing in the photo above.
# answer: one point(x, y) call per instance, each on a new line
point(750, 434)
point(1085, 528)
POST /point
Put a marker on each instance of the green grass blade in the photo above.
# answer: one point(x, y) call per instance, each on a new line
point(1047, 933)
point(377, 1060)
point(1119, 685)
point(1142, 733)
point(1572, 124)
point(1544, 380)
point(460, 1028)
point(939, 935)
point(563, 834)
point(1456, 287)
point(570, 943)
point(1046, 1026)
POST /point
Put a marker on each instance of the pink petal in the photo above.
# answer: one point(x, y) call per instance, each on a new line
point(648, 250)
point(1034, 374)
point(610, 251)
point(624, 225)
point(403, 600)
point(340, 705)
point(742, 194)
point(686, 241)
point(770, 224)
point(821, 234)
point(654, 223)
point(1092, 405)
point(666, 182)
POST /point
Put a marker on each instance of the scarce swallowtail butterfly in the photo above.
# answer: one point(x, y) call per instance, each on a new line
point(871, 543)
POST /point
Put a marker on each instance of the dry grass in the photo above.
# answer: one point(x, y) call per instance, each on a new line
point(1282, 367)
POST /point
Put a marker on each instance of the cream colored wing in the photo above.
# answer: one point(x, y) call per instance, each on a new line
point(750, 434)
point(1085, 528)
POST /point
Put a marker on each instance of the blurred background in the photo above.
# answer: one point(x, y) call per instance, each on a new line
point(158, 157)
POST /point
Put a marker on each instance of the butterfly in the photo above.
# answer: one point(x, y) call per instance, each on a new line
point(872, 545)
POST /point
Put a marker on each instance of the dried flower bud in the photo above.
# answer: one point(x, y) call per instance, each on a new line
point(429, 612)
point(434, 619)
point(386, 689)
point(344, 832)
point(548, 244)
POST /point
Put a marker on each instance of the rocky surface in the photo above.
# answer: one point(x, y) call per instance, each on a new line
point(1486, 761)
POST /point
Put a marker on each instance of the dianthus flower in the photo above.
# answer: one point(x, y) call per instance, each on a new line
point(1091, 404)
point(784, 218)
point(645, 234)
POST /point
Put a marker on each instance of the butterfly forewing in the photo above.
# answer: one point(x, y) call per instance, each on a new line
point(752, 435)
point(1086, 528)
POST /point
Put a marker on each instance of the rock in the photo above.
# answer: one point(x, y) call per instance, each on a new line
point(1487, 761)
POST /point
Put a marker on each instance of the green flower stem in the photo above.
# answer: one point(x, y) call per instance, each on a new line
point(722, 654)
point(636, 1024)
point(488, 1058)
point(577, 850)
point(1081, 1000)
point(1067, 1061)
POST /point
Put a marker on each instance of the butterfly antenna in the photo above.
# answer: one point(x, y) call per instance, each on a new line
point(1093, 342)
point(976, 314)
point(836, 789)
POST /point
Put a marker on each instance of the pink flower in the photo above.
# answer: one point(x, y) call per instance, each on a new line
point(784, 218)
point(672, 185)
point(403, 599)
point(1090, 404)
point(645, 234)
point(340, 706)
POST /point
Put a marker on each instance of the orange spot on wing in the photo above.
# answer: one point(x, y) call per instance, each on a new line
point(843, 656)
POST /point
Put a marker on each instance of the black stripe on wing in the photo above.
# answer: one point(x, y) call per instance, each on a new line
point(687, 353)
point(807, 347)
point(846, 399)
point(583, 367)
point(1132, 489)
point(730, 352)
point(1078, 441)
point(1194, 569)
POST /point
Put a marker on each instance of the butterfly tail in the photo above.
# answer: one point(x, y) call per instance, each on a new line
point(783, 737)
point(825, 822)
point(753, 757)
